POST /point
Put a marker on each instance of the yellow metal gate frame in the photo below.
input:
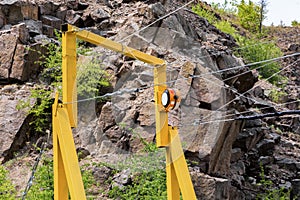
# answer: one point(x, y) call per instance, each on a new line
point(67, 176)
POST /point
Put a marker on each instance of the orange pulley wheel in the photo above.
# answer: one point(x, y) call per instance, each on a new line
point(170, 99)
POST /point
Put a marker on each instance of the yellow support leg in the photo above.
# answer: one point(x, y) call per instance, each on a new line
point(60, 181)
point(67, 176)
point(177, 167)
point(173, 189)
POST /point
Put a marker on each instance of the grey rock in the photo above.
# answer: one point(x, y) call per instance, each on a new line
point(265, 145)
point(288, 164)
point(248, 138)
point(48, 30)
point(122, 178)
point(157, 10)
point(207, 187)
point(236, 154)
point(99, 15)
point(287, 186)
point(275, 137)
point(295, 193)
point(34, 27)
point(102, 174)
point(238, 168)
point(265, 160)
point(49, 8)
point(51, 21)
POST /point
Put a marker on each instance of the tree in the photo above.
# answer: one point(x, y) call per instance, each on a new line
point(263, 12)
point(295, 23)
point(249, 15)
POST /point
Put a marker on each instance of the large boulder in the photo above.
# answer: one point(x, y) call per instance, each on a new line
point(17, 59)
point(13, 122)
point(15, 11)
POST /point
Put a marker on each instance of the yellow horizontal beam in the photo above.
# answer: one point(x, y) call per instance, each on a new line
point(114, 46)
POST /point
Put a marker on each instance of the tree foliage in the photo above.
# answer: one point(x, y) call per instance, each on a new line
point(249, 15)
point(295, 23)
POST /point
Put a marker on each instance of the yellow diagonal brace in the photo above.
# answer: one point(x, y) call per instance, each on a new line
point(173, 189)
point(61, 191)
point(177, 159)
point(68, 154)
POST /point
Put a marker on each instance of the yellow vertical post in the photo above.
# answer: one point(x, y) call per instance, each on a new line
point(178, 177)
point(160, 114)
point(69, 72)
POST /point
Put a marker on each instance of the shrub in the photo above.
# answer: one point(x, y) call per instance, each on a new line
point(277, 95)
point(91, 77)
point(202, 12)
point(249, 16)
point(7, 189)
point(225, 27)
point(145, 185)
point(253, 50)
point(42, 185)
point(295, 23)
point(270, 192)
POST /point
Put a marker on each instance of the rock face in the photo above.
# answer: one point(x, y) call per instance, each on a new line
point(17, 62)
point(14, 123)
point(226, 153)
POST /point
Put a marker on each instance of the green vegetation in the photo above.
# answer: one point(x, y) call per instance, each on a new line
point(269, 193)
point(91, 78)
point(226, 27)
point(295, 23)
point(50, 79)
point(7, 189)
point(42, 185)
point(252, 48)
point(249, 15)
point(145, 185)
point(277, 95)
point(203, 12)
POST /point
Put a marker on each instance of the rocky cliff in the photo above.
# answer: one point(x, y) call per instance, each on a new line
point(224, 154)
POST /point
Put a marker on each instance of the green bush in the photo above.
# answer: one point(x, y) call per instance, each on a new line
point(42, 185)
point(145, 185)
point(270, 192)
point(295, 23)
point(91, 76)
point(228, 7)
point(225, 27)
point(277, 95)
point(253, 50)
point(50, 79)
point(249, 15)
point(202, 12)
point(7, 189)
